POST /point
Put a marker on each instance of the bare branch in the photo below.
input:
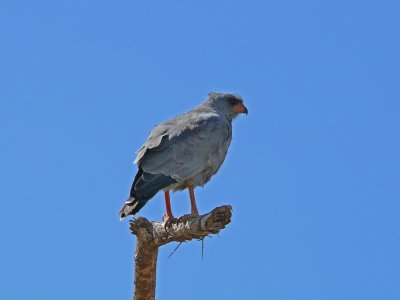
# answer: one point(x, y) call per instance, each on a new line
point(152, 235)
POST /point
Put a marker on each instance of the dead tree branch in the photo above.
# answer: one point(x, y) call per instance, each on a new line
point(152, 235)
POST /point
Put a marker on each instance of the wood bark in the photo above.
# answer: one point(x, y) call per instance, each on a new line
point(151, 235)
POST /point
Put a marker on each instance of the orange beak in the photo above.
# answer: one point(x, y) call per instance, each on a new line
point(240, 108)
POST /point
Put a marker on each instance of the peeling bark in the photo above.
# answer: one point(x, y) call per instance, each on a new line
point(151, 235)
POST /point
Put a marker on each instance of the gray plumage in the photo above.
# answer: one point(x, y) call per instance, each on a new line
point(186, 150)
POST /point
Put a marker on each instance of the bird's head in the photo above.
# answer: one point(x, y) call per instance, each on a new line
point(231, 105)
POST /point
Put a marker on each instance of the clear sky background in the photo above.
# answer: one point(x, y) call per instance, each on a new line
point(312, 173)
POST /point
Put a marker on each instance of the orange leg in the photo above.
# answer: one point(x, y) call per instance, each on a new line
point(193, 201)
point(195, 212)
point(168, 216)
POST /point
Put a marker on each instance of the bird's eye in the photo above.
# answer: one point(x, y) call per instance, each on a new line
point(233, 101)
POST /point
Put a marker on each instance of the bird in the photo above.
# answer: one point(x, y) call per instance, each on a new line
point(184, 153)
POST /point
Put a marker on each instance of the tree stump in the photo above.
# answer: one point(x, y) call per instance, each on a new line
point(152, 235)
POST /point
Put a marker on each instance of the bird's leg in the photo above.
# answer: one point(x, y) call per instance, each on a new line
point(194, 211)
point(193, 201)
point(168, 216)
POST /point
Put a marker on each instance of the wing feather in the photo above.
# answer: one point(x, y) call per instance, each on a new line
point(182, 154)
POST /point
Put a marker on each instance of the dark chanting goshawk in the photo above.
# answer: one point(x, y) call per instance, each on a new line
point(184, 152)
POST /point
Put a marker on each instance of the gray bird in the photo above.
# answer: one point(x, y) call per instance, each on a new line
point(184, 152)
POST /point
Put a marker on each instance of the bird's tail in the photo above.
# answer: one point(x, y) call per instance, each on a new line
point(144, 187)
point(131, 207)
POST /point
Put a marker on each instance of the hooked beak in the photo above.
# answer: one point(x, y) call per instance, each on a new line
point(241, 109)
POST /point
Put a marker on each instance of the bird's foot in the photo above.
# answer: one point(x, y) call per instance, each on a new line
point(187, 217)
point(169, 219)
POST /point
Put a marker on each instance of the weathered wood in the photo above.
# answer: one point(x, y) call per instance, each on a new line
point(151, 235)
point(145, 262)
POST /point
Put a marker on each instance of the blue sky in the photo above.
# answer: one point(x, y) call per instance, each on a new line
point(312, 173)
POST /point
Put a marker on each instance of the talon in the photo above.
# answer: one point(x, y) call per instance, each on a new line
point(187, 217)
point(169, 219)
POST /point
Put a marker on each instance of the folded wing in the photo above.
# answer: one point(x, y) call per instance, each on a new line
point(187, 152)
